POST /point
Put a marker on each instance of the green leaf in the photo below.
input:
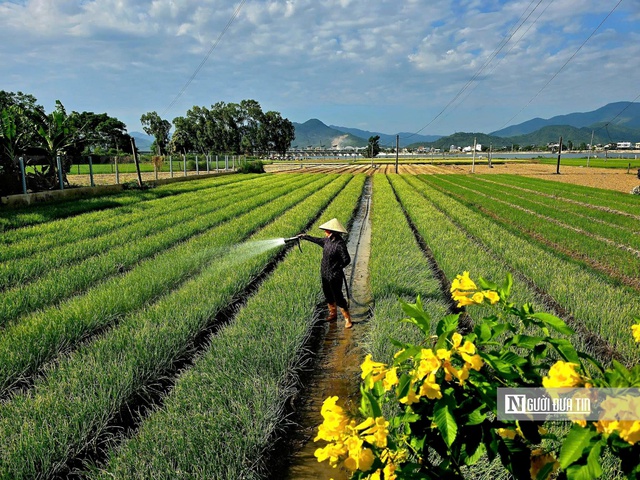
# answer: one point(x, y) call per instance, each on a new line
point(505, 292)
point(483, 331)
point(369, 406)
point(554, 322)
point(444, 419)
point(526, 341)
point(448, 324)
point(477, 417)
point(574, 445)
point(565, 349)
point(417, 315)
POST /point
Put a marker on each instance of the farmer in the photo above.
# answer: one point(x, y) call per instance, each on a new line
point(334, 258)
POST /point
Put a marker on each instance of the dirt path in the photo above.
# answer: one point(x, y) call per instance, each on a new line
point(337, 370)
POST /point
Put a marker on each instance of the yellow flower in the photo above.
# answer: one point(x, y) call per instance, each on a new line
point(429, 363)
point(359, 459)
point(372, 371)
point(562, 375)
point(377, 433)
point(443, 354)
point(636, 332)
point(411, 397)
point(462, 298)
point(474, 362)
point(477, 298)
point(430, 388)
point(492, 296)
point(456, 339)
point(335, 422)
point(463, 282)
point(390, 379)
point(468, 348)
point(539, 459)
point(506, 433)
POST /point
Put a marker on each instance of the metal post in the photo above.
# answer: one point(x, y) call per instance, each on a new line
point(590, 147)
point(226, 163)
point(473, 163)
point(91, 172)
point(217, 169)
point(397, 150)
point(184, 164)
point(170, 166)
point(559, 155)
point(207, 158)
point(22, 174)
point(115, 163)
point(197, 167)
point(60, 172)
point(234, 161)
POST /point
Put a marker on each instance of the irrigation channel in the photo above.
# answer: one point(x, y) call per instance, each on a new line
point(337, 366)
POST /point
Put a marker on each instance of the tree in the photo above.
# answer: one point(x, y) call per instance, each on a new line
point(100, 131)
point(276, 133)
point(373, 147)
point(18, 131)
point(158, 128)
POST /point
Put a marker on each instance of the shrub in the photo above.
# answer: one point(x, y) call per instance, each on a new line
point(251, 167)
point(445, 394)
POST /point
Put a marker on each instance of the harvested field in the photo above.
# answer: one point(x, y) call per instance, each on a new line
point(611, 179)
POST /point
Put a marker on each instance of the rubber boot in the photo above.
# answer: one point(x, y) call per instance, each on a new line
point(333, 312)
point(347, 318)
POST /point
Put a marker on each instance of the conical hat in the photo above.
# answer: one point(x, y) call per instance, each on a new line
point(334, 225)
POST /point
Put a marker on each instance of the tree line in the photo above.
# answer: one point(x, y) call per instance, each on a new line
point(28, 131)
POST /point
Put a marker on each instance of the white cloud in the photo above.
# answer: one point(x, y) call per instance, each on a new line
point(332, 56)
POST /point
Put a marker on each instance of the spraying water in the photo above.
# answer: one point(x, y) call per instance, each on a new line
point(246, 250)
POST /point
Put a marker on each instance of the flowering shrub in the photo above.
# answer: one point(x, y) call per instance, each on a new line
point(443, 399)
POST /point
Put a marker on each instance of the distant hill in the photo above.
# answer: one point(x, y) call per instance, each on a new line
point(388, 140)
point(314, 133)
point(629, 118)
point(143, 141)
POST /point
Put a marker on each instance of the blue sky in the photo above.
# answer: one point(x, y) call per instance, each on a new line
point(434, 66)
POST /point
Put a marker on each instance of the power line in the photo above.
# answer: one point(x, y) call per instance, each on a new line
point(206, 57)
point(562, 68)
point(510, 49)
point(491, 57)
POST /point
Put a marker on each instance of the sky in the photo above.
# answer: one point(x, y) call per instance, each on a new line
point(432, 67)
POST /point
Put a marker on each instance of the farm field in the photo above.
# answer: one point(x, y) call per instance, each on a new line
point(164, 333)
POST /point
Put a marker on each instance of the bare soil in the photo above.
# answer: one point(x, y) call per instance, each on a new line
point(611, 179)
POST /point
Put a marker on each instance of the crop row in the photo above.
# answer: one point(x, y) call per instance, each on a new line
point(22, 242)
point(224, 414)
point(399, 270)
point(596, 304)
point(613, 247)
point(34, 340)
point(587, 206)
point(608, 199)
point(72, 406)
point(53, 286)
point(121, 232)
point(27, 216)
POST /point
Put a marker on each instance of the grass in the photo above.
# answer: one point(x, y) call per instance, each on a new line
point(229, 407)
point(27, 344)
point(87, 388)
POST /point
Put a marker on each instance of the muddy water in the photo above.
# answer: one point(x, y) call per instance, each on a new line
point(338, 369)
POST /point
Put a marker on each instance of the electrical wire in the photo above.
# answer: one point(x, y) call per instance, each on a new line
point(204, 60)
point(562, 68)
point(491, 57)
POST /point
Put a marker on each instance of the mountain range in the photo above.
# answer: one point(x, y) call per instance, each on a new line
point(615, 122)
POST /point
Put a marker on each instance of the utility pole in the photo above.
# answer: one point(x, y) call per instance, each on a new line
point(473, 163)
point(559, 155)
point(397, 149)
point(135, 159)
point(590, 147)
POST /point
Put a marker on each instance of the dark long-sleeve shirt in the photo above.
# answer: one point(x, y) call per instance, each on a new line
point(335, 255)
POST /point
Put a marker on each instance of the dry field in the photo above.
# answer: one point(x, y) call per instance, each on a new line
point(612, 179)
